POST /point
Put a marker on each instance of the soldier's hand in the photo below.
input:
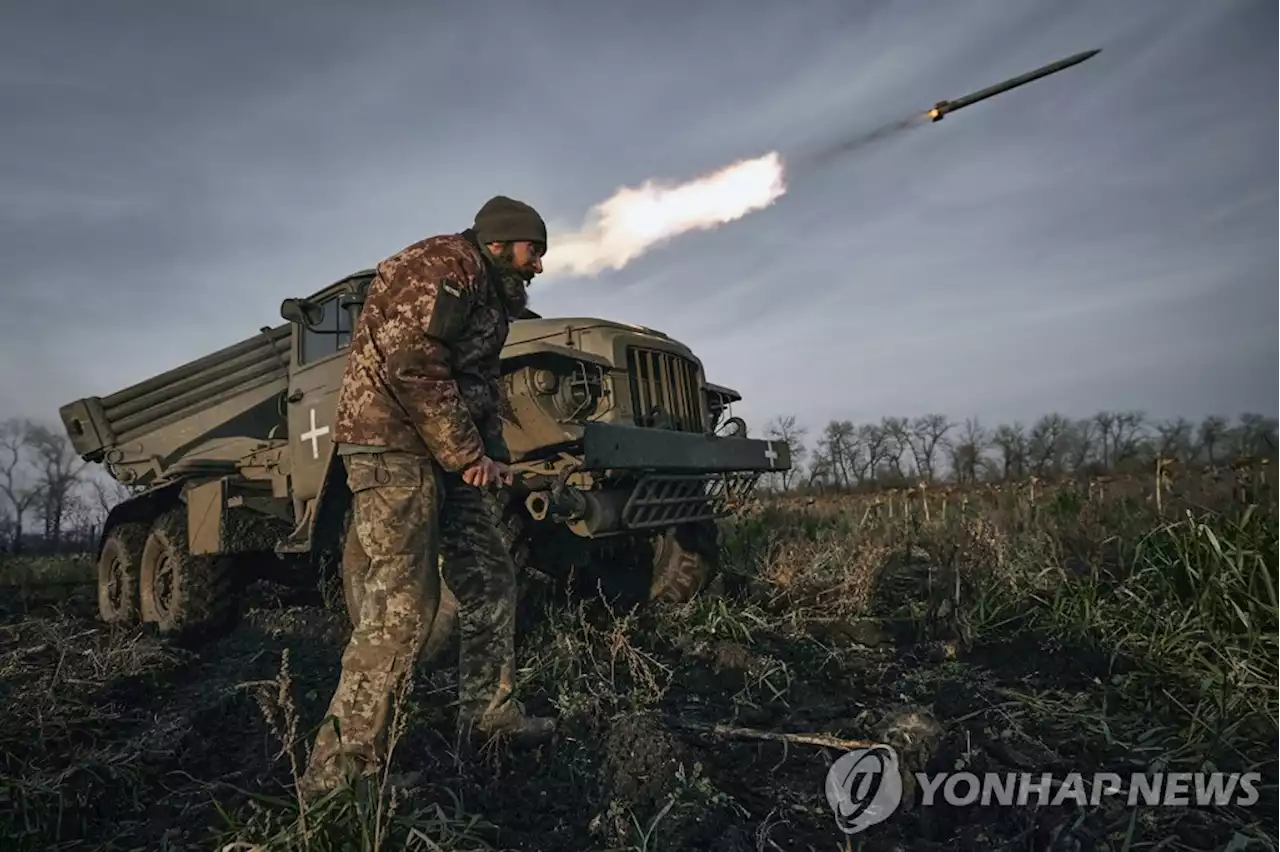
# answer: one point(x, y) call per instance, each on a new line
point(485, 472)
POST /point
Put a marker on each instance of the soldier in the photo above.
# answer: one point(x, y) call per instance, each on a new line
point(418, 428)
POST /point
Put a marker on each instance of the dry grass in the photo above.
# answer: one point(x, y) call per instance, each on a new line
point(34, 580)
point(1119, 626)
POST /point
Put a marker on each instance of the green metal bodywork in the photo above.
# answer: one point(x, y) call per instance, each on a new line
point(603, 408)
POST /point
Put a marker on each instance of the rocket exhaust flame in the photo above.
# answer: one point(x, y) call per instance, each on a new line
point(635, 219)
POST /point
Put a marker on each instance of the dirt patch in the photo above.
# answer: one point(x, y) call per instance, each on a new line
point(641, 764)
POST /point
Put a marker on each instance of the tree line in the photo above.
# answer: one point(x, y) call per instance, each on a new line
point(52, 501)
point(933, 448)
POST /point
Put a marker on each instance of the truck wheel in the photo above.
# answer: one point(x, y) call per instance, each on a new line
point(119, 572)
point(534, 587)
point(186, 596)
point(685, 559)
point(355, 563)
point(446, 619)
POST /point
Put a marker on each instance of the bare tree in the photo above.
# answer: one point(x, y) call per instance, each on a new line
point(785, 430)
point(58, 469)
point(1257, 434)
point(1105, 422)
point(1047, 444)
point(6, 529)
point(835, 451)
point(1128, 433)
point(873, 444)
point(14, 449)
point(1175, 439)
point(79, 524)
point(1011, 441)
point(819, 471)
point(104, 495)
point(1081, 445)
point(1213, 433)
point(892, 449)
point(897, 435)
point(967, 459)
point(928, 433)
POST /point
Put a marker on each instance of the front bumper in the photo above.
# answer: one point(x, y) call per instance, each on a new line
point(667, 499)
point(611, 447)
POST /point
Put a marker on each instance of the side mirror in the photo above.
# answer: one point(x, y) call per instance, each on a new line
point(302, 311)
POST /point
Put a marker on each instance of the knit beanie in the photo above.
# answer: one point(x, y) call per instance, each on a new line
point(503, 219)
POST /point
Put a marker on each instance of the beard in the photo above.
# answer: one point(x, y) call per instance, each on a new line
point(512, 282)
point(512, 289)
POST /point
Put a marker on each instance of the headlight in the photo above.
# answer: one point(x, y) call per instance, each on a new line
point(574, 388)
point(579, 392)
point(734, 427)
point(718, 405)
point(545, 381)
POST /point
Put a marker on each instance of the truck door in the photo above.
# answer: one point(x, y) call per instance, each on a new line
point(319, 359)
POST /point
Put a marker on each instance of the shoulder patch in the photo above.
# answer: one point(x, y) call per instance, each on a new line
point(448, 312)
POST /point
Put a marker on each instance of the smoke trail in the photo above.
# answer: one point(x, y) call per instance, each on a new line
point(862, 140)
point(635, 219)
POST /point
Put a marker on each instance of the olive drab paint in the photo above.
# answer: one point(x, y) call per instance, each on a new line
point(616, 437)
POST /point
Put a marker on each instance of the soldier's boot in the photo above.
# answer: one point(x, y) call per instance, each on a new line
point(489, 709)
point(337, 764)
point(350, 771)
point(325, 774)
point(511, 722)
point(508, 724)
point(482, 576)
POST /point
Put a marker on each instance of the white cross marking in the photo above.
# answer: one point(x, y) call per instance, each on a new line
point(315, 433)
point(770, 453)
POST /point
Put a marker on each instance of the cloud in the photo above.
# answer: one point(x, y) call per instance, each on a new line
point(1105, 236)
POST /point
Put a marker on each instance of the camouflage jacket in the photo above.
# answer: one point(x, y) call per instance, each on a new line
point(423, 374)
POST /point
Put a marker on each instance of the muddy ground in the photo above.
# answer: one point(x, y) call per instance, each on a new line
point(118, 740)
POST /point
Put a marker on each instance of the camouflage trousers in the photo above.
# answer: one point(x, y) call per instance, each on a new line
point(408, 512)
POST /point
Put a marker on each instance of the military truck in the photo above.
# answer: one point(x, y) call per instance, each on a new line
point(624, 458)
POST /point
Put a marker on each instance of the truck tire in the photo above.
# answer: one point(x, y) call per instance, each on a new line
point(446, 620)
point(187, 597)
point(353, 555)
point(119, 574)
point(685, 560)
point(446, 616)
point(535, 583)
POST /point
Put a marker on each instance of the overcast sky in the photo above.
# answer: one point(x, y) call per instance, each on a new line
point(1103, 238)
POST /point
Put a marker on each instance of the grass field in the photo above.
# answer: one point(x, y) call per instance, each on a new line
point(1121, 626)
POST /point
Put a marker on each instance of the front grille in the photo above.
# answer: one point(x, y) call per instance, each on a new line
point(665, 392)
point(663, 500)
